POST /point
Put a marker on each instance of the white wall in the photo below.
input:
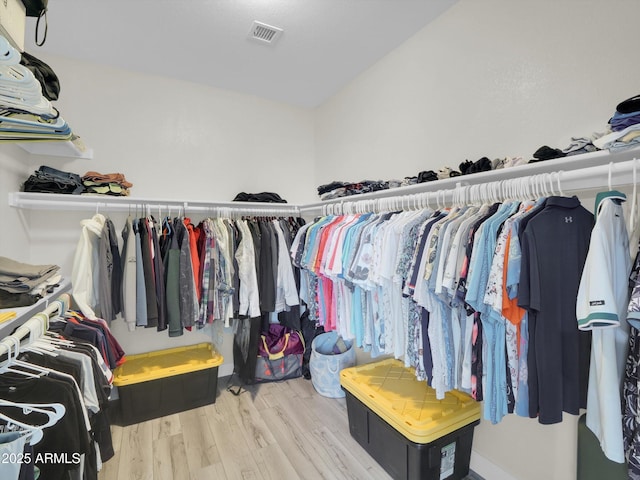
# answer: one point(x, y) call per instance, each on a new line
point(14, 239)
point(489, 78)
point(182, 140)
point(173, 140)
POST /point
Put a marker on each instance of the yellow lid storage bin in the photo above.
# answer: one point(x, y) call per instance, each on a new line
point(144, 367)
point(163, 382)
point(399, 421)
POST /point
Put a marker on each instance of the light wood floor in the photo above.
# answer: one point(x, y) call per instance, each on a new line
point(276, 431)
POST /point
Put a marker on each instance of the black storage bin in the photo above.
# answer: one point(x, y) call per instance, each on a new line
point(409, 408)
point(165, 382)
point(404, 459)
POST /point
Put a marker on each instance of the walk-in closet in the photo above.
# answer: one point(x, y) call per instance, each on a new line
point(335, 239)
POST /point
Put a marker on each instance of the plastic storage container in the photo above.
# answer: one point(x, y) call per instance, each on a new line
point(401, 424)
point(155, 384)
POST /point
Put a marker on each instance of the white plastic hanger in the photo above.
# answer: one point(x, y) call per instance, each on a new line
point(34, 433)
point(8, 54)
point(609, 176)
point(543, 185)
point(53, 411)
point(549, 177)
point(12, 345)
point(559, 184)
point(634, 200)
point(13, 361)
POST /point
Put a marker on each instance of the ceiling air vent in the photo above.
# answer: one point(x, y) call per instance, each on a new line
point(264, 33)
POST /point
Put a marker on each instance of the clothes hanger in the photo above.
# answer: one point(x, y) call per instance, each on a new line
point(12, 343)
point(559, 184)
point(33, 433)
point(20, 90)
point(543, 186)
point(513, 190)
point(472, 195)
point(552, 190)
point(632, 216)
point(18, 85)
point(8, 54)
point(609, 176)
point(501, 191)
point(54, 411)
point(535, 187)
point(41, 341)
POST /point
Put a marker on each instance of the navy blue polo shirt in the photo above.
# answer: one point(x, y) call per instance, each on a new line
point(555, 243)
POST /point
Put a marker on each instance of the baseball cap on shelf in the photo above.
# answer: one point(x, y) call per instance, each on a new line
point(630, 105)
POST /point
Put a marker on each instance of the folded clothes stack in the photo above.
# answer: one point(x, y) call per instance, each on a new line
point(23, 284)
point(346, 189)
point(51, 180)
point(624, 127)
point(546, 153)
point(481, 165)
point(106, 184)
point(264, 197)
point(580, 145)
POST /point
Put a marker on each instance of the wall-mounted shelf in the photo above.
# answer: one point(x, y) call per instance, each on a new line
point(568, 174)
point(562, 165)
point(24, 313)
point(58, 148)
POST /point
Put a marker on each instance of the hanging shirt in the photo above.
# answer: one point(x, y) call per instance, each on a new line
point(286, 290)
point(84, 273)
point(249, 293)
point(631, 398)
point(601, 304)
point(555, 240)
point(129, 275)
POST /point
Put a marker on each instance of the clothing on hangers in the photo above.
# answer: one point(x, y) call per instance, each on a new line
point(601, 308)
point(450, 292)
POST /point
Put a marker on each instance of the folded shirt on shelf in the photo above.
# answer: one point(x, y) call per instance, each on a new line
point(106, 183)
point(580, 145)
point(481, 165)
point(23, 284)
point(263, 197)
point(620, 121)
point(344, 189)
point(547, 153)
point(623, 127)
point(620, 138)
point(51, 180)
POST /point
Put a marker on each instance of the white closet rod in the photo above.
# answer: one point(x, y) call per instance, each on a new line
point(560, 182)
point(566, 164)
point(581, 172)
point(49, 201)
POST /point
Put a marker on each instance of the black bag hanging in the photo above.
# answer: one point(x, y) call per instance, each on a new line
point(44, 74)
point(37, 8)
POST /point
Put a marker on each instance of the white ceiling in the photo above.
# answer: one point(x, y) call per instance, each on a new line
point(325, 44)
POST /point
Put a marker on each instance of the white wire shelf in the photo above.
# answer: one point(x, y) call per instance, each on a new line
point(569, 174)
